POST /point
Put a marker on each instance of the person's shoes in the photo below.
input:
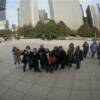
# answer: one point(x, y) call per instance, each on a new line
point(39, 71)
point(15, 63)
point(77, 67)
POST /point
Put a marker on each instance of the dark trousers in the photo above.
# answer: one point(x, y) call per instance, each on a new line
point(36, 68)
point(78, 64)
point(85, 53)
point(63, 64)
point(25, 64)
point(93, 54)
point(50, 68)
point(56, 65)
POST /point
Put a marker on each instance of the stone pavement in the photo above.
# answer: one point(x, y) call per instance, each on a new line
point(68, 84)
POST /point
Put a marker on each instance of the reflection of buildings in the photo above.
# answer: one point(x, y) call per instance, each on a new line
point(51, 8)
point(43, 15)
point(99, 15)
point(2, 9)
point(3, 21)
point(68, 11)
point(92, 16)
point(4, 24)
point(28, 12)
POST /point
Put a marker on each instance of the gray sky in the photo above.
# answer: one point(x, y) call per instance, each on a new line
point(12, 6)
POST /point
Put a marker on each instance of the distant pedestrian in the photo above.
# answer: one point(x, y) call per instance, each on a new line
point(16, 55)
point(70, 54)
point(85, 49)
point(93, 48)
point(78, 56)
point(62, 57)
point(42, 57)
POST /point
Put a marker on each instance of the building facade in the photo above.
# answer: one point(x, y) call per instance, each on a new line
point(2, 10)
point(28, 12)
point(92, 19)
point(4, 25)
point(68, 11)
point(51, 9)
point(43, 15)
point(3, 22)
point(98, 5)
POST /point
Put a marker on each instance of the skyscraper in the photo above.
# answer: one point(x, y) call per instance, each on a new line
point(3, 22)
point(51, 9)
point(28, 12)
point(92, 16)
point(2, 9)
point(68, 11)
point(98, 15)
point(43, 15)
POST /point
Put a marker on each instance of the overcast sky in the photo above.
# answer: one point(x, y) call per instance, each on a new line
point(12, 6)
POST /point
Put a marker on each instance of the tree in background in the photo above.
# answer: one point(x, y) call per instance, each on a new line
point(63, 30)
point(85, 31)
point(96, 32)
point(26, 31)
point(4, 33)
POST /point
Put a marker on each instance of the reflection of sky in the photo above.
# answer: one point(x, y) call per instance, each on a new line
point(12, 6)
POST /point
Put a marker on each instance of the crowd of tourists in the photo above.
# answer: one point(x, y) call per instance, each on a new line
point(51, 60)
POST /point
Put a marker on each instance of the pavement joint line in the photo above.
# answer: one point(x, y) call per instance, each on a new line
point(29, 89)
point(52, 86)
point(72, 85)
point(90, 82)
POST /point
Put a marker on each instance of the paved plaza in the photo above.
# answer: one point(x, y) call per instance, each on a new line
point(68, 84)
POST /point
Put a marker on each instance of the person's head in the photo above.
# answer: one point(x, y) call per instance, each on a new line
point(94, 41)
point(28, 47)
point(77, 48)
point(71, 45)
point(34, 50)
point(56, 48)
point(41, 46)
point(14, 48)
point(47, 50)
point(60, 48)
point(85, 42)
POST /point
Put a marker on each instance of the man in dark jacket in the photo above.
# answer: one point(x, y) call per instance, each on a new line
point(85, 49)
point(63, 57)
point(43, 57)
point(35, 58)
point(55, 52)
point(70, 54)
point(78, 56)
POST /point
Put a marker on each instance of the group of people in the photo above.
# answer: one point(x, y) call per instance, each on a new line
point(52, 60)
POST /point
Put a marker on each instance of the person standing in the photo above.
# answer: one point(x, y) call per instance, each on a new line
point(35, 58)
point(98, 52)
point(27, 58)
point(93, 48)
point(78, 56)
point(42, 57)
point(63, 57)
point(70, 54)
point(16, 55)
point(85, 49)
